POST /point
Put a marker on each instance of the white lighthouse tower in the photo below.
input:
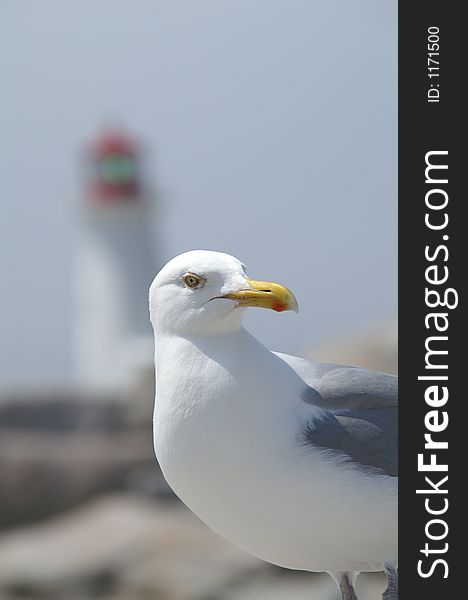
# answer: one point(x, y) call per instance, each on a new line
point(115, 266)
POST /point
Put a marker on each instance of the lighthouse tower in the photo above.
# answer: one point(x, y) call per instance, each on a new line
point(115, 266)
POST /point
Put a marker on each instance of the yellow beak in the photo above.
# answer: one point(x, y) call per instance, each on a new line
point(265, 294)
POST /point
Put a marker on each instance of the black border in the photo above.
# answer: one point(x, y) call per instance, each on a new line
point(423, 127)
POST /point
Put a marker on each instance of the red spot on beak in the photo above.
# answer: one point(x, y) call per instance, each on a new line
point(279, 306)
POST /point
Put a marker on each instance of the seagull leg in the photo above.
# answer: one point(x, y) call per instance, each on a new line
point(347, 589)
point(391, 593)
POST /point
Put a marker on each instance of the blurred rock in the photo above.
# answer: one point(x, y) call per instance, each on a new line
point(61, 448)
point(42, 474)
point(292, 585)
point(68, 409)
point(284, 585)
point(124, 545)
point(373, 348)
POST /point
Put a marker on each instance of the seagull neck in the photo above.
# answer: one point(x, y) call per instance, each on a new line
point(234, 338)
point(236, 343)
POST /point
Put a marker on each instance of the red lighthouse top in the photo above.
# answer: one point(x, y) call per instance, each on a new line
point(113, 160)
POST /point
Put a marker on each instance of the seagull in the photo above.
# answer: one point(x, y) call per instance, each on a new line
point(293, 461)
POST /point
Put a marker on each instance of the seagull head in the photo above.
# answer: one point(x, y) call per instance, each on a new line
point(204, 292)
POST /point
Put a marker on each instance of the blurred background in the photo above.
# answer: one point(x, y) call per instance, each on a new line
point(131, 132)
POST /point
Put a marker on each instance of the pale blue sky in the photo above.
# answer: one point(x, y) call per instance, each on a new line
point(273, 126)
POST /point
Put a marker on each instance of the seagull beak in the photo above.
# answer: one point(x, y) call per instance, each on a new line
point(265, 294)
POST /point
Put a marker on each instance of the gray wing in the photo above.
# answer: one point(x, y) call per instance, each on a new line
point(366, 438)
point(360, 424)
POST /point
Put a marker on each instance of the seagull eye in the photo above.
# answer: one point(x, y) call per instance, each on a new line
point(193, 281)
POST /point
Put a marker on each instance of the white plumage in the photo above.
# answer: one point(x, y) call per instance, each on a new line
point(245, 436)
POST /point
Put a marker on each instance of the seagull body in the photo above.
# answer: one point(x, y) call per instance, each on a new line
point(292, 461)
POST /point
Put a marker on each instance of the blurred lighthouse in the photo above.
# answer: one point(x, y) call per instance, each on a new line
point(115, 266)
